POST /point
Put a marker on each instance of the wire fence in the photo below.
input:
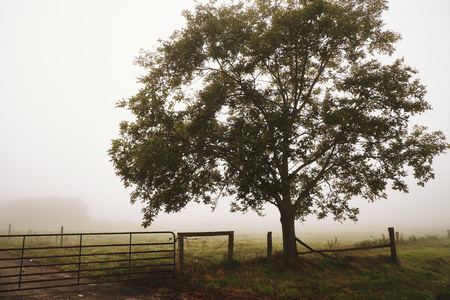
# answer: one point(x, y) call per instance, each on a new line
point(208, 250)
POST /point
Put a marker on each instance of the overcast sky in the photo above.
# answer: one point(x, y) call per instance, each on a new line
point(64, 64)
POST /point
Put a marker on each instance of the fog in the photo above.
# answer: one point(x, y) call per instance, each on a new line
point(63, 66)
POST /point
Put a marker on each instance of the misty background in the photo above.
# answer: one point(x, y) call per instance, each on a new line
point(65, 63)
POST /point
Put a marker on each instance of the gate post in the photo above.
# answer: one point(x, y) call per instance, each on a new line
point(230, 246)
point(180, 260)
point(62, 236)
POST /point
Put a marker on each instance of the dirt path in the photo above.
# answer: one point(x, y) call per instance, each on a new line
point(93, 291)
point(89, 291)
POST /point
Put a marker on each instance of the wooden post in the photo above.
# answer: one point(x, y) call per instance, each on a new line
point(448, 232)
point(230, 246)
point(180, 241)
point(397, 237)
point(269, 244)
point(392, 245)
point(62, 235)
point(9, 230)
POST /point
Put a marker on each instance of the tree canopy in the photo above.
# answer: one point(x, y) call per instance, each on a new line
point(275, 102)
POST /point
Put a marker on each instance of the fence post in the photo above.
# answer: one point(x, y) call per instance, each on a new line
point(9, 230)
point(230, 246)
point(392, 245)
point(397, 237)
point(62, 235)
point(129, 256)
point(448, 232)
point(269, 244)
point(79, 259)
point(180, 265)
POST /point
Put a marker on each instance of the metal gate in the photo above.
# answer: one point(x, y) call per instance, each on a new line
point(35, 261)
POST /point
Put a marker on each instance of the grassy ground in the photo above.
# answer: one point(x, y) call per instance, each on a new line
point(424, 273)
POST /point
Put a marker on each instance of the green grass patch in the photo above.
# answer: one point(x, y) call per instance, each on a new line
point(423, 273)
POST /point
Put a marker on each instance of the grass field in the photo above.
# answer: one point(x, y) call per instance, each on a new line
point(423, 273)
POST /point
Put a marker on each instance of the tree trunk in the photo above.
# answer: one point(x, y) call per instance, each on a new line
point(289, 244)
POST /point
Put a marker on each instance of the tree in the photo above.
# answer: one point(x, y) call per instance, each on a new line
point(275, 102)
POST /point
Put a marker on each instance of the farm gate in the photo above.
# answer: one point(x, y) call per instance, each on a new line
point(83, 258)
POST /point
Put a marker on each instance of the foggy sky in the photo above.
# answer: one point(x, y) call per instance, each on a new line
point(64, 64)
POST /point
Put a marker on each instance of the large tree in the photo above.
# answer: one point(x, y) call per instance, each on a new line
point(275, 102)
